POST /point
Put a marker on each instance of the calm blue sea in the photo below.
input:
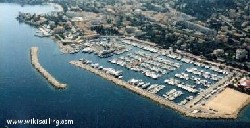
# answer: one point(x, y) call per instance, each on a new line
point(89, 100)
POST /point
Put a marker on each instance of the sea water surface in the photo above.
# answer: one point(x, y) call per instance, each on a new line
point(89, 100)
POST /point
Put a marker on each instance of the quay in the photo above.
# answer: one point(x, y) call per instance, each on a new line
point(208, 91)
point(187, 111)
point(42, 71)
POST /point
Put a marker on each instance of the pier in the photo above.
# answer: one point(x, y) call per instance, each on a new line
point(208, 91)
point(42, 71)
point(191, 112)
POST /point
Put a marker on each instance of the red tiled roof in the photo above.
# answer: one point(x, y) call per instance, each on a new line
point(246, 84)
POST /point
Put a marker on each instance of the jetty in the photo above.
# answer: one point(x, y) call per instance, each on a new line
point(187, 111)
point(42, 71)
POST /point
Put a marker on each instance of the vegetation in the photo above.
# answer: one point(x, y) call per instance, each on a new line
point(105, 31)
point(202, 9)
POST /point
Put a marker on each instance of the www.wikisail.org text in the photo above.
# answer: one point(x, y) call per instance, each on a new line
point(34, 121)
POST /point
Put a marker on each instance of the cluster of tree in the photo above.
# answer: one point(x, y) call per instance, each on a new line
point(89, 9)
point(105, 31)
point(203, 9)
point(57, 20)
point(137, 20)
point(158, 35)
point(241, 89)
point(205, 48)
point(155, 5)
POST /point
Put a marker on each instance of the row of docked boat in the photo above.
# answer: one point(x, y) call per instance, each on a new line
point(138, 68)
point(204, 74)
point(155, 88)
point(181, 85)
point(74, 51)
point(139, 83)
point(77, 48)
point(103, 47)
point(152, 88)
point(200, 81)
point(186, 60)
point(196, 63)
point(144, 47)
point(147, 64)
point(167, 62)
point(111, 71)
point(153, 62)
point(216, 69)
point(43, 32)
point(182, 76)
point(186, 100)
point(172, 94)
point(197, 80)
point(155, 59)
point(87, 50)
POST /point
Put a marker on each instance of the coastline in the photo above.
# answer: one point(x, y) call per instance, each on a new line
point(184, 110)
point(189, 112)
point(42, 71)
point(91, 101)
point(228, 105)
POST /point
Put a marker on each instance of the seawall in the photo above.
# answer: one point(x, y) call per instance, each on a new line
point(42, 71)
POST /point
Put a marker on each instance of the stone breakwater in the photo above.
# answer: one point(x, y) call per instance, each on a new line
point(42, 71)
point(181, 109)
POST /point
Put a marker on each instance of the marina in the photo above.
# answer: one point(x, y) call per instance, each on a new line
point(150, 91)
point(91, 100)
point(169, 76)
point(172, 94)
point(172, 77)
point(127, 85)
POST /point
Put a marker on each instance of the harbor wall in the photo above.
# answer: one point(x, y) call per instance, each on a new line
point(181, 109)
point(42, 71)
